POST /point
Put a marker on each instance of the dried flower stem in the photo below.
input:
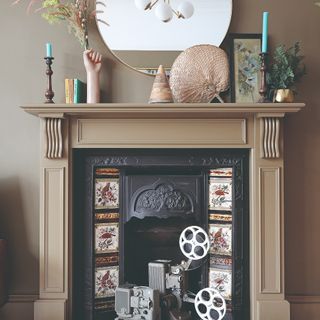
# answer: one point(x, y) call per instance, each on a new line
point(75, 12)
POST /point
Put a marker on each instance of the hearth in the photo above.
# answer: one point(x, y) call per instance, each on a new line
point(130, 207)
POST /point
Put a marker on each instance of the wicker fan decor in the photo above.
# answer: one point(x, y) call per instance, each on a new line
point(199, 74)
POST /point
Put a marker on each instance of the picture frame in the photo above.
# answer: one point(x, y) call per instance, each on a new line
point(244, 50)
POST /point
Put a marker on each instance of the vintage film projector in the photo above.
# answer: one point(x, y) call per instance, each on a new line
point(167, 292)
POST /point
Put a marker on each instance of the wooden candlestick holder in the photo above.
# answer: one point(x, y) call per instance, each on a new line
point(49, 93)
point(263, 84)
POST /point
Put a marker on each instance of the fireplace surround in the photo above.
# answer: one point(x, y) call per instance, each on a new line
point(256, 127)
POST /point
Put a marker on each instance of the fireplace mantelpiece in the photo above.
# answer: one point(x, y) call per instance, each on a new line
point(257, 127)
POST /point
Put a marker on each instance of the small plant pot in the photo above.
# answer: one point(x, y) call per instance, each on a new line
point(283, 96)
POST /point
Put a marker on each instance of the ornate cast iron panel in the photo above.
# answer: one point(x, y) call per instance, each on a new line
point(161, 196)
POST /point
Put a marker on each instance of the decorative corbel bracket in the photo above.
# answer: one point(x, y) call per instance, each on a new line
point(53, 134)
point(270, 135)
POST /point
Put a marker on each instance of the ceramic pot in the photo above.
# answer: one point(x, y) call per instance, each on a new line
point(283, 95)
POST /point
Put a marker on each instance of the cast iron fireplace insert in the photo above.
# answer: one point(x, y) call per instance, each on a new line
point(155, 194)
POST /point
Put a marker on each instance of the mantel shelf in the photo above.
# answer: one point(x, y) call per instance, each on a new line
point(174, 110)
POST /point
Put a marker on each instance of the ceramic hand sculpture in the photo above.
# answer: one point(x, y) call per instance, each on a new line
point(92, 63)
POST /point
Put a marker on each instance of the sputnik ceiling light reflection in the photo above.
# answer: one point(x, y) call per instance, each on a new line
point(164, 11)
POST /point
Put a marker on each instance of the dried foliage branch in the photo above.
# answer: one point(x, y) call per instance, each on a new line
point(75, 13)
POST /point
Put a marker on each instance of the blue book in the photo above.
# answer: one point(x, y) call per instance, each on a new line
point(79, 91)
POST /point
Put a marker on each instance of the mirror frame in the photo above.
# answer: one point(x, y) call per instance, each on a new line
point(135, 69)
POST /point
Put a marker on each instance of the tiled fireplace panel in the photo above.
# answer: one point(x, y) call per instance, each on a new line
point(133, 207)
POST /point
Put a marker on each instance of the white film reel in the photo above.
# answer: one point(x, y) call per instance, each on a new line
point(194, 243)
point(210, 305)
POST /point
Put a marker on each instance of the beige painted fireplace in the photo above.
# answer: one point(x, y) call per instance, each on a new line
point(257, 127)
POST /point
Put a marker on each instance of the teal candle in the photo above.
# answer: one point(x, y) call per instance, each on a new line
point(265, 23)
point(49, 50)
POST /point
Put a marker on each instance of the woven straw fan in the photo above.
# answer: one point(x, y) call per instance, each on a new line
point(199, 74)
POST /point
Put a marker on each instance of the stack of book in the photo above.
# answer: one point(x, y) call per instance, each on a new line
point(75, 91)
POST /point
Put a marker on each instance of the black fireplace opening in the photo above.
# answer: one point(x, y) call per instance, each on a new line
point(147, 240)
point(130, 207)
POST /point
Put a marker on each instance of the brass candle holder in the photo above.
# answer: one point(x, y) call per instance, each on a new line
point(49, 94)
point(263, 84)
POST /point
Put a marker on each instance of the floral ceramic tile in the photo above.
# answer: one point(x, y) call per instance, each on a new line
point(221, 280)
point(106, 281)
point(104, 305)
point(220, 194)
point(107, 193)
point(102, 261)
point(107, 172)
point(107, 237)
point(221, 172)
point(107, 216)
point(220, 239)
point(221, 261)
point(220, 217)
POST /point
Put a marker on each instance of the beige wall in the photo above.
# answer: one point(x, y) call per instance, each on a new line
point(22, 81)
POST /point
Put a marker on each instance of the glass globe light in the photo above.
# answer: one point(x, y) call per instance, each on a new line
point(164, 12)
point(185, 10)
point(142, 4)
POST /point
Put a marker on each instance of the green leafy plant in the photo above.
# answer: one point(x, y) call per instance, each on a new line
point(286, 67)
point(76, 13)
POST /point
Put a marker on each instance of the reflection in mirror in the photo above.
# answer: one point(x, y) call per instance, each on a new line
point(141, 40)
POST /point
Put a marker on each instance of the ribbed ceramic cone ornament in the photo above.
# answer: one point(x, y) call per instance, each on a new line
point(161, 92)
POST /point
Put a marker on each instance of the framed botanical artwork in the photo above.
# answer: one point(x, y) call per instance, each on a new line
point(245, 67)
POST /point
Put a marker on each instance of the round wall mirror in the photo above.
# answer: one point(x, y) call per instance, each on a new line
point(135, 31)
